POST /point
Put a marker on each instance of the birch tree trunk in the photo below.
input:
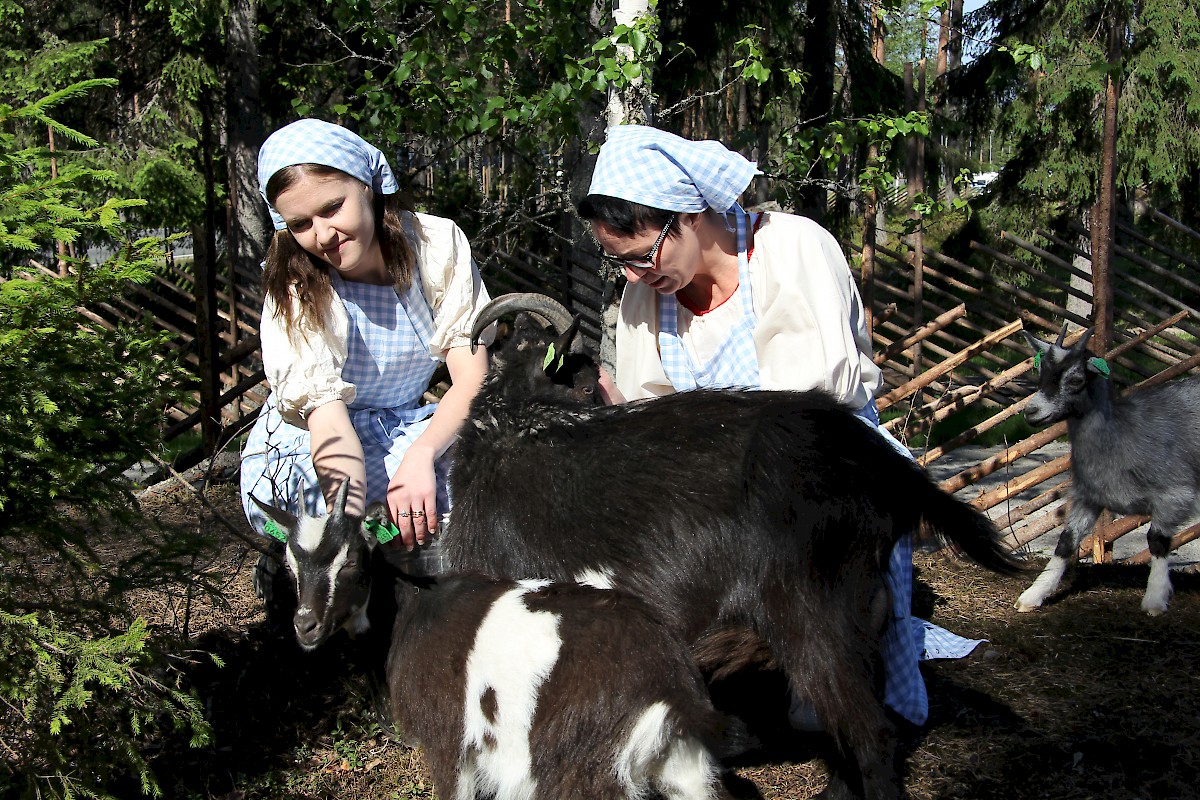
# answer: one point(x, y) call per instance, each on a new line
point(626, 106)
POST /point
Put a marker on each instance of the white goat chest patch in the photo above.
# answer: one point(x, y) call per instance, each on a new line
point(514, 652)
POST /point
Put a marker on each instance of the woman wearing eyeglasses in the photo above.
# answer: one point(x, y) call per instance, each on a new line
point(718, 298)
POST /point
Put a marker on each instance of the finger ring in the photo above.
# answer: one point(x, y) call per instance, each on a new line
point(403, 515)
point(418, 513)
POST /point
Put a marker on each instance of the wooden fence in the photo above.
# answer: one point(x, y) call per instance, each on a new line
point(958, 351)
point(946, 333)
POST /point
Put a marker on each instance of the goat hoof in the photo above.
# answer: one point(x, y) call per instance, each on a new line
point(1025, 608)
point(1154, 611)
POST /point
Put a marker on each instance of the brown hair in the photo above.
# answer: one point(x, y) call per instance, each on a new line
point(289, 268)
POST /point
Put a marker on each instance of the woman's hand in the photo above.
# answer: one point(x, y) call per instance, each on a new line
point(412, 496)
point(608, 389)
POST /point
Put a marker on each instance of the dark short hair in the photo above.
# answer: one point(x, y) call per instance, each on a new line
point(625, 216)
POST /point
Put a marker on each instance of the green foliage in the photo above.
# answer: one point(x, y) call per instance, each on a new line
point(459, 69)
point(83, 684)
point(62, 689)
point(174, 194)
point(832, 144)
point(1045, 81)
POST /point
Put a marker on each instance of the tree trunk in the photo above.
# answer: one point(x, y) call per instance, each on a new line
point(204, 241)
point(248, 222)
point(871, 198)
point(819, 60)
point(629, 106)
point(1104, 221)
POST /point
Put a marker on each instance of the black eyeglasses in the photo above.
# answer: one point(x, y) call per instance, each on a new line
point(642, 262)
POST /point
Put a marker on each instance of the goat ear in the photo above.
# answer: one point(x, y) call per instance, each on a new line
point(1040, 349)
point(1099, 365)
point(285, 522)
point(1037, 344)
point(556, 353)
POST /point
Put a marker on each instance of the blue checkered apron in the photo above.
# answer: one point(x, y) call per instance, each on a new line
point(735, 364)
point(389, 362)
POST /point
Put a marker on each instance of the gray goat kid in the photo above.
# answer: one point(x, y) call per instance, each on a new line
point(1138, 454)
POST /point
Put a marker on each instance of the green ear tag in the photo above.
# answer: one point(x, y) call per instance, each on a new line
point(1100, 365)
point(550, 360)
point(1037, 359)
point(273, 530)
point(383, 531)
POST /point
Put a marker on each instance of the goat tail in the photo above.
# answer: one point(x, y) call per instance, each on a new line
point(966, 528)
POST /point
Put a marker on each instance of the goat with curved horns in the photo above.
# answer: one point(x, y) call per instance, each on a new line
point(1138, 454)
point(768, 512)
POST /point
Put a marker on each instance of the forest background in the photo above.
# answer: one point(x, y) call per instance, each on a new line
point(129, 124)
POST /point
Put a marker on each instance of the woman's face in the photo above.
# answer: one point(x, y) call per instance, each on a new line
point(331, 217)
point(675, 261)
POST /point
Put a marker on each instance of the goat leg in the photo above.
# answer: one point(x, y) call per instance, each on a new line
point(1158, 587)
point(1079, 522)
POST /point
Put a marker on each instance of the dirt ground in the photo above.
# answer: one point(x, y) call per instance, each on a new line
point(1088, 698)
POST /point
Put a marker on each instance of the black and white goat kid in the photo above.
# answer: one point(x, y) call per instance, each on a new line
point(524, 690)
point(1138, 454)
point(330, 561)
point(770, 512)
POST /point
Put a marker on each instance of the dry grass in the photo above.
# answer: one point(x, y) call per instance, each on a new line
point(1088, 698)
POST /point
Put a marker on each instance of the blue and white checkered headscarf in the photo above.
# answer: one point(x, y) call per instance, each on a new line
point(661, 170)
point(311, 141)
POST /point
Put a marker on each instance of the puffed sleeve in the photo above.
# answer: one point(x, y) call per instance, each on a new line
point(305, 370)
point(451, 283)
point(811, 331)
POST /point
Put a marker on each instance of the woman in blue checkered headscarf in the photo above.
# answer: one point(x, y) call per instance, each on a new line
point(362, 299)
point(718, 298)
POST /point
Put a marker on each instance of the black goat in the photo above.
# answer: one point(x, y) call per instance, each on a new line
point(1138, 454)
point(533, 689)
point(773, 512)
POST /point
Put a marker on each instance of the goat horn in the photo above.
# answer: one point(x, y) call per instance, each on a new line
point(1061, 336)
point(339, 501)
point(547, 309)
point(1083, 340)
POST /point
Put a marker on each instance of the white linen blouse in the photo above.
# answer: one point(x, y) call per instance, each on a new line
point(811, 331)
point(305, 370)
